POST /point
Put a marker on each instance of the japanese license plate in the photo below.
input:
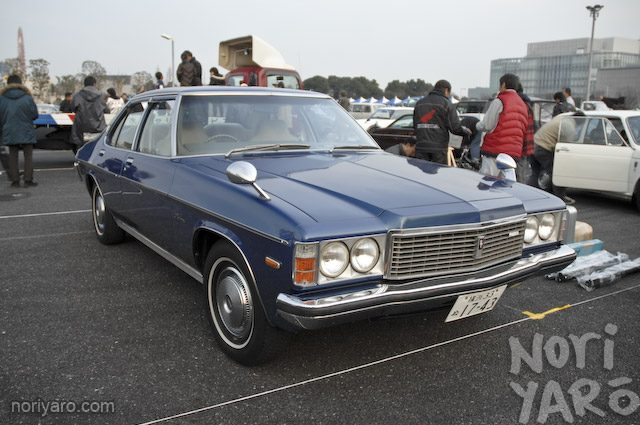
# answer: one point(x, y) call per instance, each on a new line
point(475, 303)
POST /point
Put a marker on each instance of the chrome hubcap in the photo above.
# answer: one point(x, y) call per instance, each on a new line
point(234, 304)
point(99, 212)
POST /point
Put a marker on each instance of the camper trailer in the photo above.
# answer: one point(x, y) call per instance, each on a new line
point(256, 63)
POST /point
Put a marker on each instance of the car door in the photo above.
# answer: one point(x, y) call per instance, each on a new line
point(148, 172)
point(400, 131)
point(112, 154)
point(591, 154)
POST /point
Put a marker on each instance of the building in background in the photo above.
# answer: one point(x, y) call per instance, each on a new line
point(550, 66)
point(481, 92)
point(620, 82)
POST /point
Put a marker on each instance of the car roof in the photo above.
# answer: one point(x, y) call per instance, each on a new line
point(235, 90)
point(613, 113)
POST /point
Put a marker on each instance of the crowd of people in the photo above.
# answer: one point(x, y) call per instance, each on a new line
point(506, 127)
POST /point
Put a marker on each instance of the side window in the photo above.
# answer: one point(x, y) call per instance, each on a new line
point(571, 129)
point(404, 122)
point(613, 137)
point(595, 132)
point(155, 138)
point(123, 136)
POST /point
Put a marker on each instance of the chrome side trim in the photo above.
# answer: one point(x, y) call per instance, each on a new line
point(383, 298)
point(191, 271)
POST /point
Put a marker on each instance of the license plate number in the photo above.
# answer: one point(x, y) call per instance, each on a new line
point(475, 303)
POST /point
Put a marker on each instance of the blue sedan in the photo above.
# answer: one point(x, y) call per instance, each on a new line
point(293, 218)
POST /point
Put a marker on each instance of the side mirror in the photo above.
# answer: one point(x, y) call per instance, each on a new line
point(506, 166)
point(242, 172)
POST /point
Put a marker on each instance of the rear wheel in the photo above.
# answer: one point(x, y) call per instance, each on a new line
point(104, 225)
point(636, 196)
point(234, 310)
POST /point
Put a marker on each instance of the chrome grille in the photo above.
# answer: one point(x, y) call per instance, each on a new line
point(435, 252)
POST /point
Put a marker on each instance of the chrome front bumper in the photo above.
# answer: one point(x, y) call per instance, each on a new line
point(309, 312)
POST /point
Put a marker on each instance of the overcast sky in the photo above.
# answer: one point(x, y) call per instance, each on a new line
point(383, 40)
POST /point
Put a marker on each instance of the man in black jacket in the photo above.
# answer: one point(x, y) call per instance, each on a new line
point(90, 106)
point(189, 71)
point(434, 117)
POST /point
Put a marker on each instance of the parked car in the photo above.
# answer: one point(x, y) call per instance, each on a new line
point(594, 105)
point(47, 108)
point(362, 110)
point(542, 109)
point(600, 152)
point(402, 129)
point(293, 218)
point(472, 106)
point(399, 131)
point(382, 117)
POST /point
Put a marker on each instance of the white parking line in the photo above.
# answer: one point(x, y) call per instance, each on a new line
point(48, 235)
point(44, 214)
point(367, 365)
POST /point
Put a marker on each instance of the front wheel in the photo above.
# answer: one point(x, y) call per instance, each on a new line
point(234, 310)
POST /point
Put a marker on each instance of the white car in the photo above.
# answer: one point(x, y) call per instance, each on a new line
point(361, 110)
point(601, 152)
point(382, 117)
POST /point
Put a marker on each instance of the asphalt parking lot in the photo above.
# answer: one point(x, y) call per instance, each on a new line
point(83, 322)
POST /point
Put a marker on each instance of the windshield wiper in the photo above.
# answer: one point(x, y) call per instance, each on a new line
point(270, 147)
point(353, 147)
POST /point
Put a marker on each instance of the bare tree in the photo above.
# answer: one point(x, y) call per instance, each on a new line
point(141, 81)
point(66, 83)
point(39, 75)
point(93, 68)
point(14, 68)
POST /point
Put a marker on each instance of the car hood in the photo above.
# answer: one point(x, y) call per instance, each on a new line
point(407, 192)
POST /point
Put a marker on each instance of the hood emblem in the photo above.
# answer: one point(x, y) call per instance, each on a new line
point(480, 240)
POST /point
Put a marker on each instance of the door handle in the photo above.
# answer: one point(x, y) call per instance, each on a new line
point(562, 150)
point(101, 152)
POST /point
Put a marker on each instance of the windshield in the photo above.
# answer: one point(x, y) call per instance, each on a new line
point(634, 126)
point(219, 124)
point(382, 114)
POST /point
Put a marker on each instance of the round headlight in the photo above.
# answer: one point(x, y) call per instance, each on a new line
point(547, 224)
point(364, 255)
point(531, 230)
point(334, 258)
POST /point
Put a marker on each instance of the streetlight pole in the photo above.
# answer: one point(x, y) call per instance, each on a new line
point(594, 12)
point(173, 58)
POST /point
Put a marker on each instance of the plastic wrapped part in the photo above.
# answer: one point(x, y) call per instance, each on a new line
point(588, 264)
point(609, 275)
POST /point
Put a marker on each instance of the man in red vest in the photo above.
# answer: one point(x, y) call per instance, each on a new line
point(505, 123)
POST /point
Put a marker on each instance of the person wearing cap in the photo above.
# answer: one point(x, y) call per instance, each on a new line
point(407, 148)
point(189, 72)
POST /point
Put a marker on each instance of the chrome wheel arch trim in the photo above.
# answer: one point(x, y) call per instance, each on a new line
point(252, 275)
